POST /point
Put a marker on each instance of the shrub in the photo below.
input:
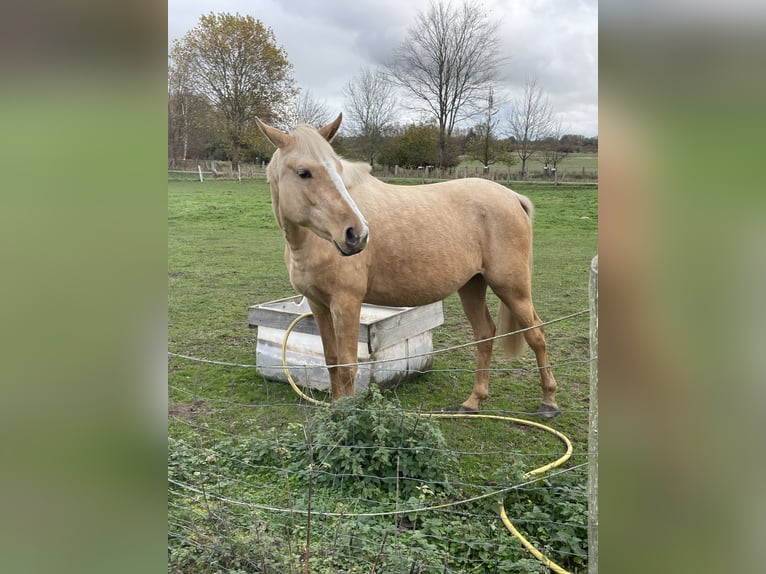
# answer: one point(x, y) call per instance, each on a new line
point(368, 445)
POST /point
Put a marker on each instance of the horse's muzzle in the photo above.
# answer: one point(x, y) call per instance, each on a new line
point(353, 242)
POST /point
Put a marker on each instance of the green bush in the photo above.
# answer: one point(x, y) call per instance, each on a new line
point(367, 445)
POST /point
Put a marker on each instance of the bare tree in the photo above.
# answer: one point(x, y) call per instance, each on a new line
point(530, 122)
point(370, 105)
point(446, 62)
point(180, 103)
point(191, 118)
point(309, 110)
point(484, 146)
point(553, 151)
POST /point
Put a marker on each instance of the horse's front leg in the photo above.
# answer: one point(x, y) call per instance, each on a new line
point(323, 318)
point(345, 316)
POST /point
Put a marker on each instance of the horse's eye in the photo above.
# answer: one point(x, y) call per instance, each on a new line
point(304, 173)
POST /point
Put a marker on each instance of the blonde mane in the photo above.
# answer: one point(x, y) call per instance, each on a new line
point(355, 173)
point(310, 142)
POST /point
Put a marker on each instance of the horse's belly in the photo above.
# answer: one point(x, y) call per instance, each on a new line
point(404, 299)
point(421, 273)
point(413, 289)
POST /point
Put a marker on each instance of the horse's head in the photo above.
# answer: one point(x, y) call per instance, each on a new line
point(305, 177)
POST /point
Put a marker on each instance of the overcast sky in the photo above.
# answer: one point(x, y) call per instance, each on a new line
point(327, 41)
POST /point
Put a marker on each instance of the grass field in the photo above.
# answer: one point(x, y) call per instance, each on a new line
point(575, 162)
point(225, 253)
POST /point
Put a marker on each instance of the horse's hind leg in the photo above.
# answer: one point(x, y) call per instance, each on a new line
point(536, 339)
point(524, 312)
point(473, 296)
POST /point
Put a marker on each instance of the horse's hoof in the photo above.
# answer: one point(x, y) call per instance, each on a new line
point(547, 411)
point(463, 410)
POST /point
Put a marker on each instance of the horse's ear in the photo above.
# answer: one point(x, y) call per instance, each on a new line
point(328, 132)
point(279, 138)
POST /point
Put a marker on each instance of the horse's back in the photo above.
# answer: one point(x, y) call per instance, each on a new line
point(381, 196)
point(455, 203)
point(427, 241)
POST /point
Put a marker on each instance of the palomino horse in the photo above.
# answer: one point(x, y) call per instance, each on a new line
point(350, 238)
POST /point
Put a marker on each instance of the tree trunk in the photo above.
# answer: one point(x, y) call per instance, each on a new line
point(234, 159)
point(442, 147)
point(236, 146)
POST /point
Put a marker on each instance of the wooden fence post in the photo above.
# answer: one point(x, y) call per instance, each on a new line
point(199, 169)
point(593, 424)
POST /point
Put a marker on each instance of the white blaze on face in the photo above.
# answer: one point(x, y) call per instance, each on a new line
point(340, 186)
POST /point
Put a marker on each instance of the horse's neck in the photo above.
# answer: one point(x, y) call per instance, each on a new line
point(300, 241)
point(296, 236)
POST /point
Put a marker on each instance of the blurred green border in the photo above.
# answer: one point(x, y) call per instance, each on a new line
point(82, 304)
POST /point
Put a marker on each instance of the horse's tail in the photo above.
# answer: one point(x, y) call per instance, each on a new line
point(513, 345)
point(526, 204)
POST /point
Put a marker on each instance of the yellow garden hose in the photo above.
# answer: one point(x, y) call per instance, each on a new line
point(508, 524)
point(290, 380)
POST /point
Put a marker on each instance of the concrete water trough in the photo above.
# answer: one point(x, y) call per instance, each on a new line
point(396, 339)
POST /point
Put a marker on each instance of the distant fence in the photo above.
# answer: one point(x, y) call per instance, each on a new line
point(493, 173)
point(201, 170)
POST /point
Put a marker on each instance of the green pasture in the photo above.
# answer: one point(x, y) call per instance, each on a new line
point(225, 253)
point(574, 162)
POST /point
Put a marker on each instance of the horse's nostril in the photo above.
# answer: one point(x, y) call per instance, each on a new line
point(351, 237)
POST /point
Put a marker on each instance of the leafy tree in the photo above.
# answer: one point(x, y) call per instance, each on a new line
point(418, 146)
point(235, 62)
point(388, 154)
point(575, 143)
point(446, 62)
point(572, 143)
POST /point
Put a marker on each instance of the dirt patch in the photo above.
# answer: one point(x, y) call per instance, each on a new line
point(188, 411)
